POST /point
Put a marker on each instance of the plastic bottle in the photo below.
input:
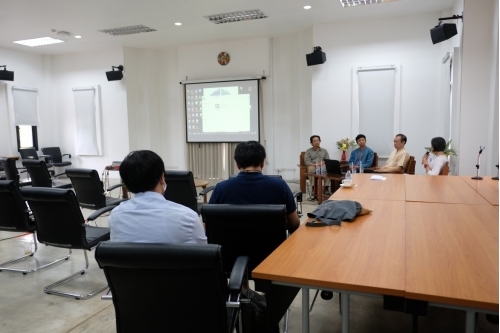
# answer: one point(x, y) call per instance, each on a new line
point(360, 167)
point(353, 168)
point(348, 175)
point(323, 167)
point(318, 168)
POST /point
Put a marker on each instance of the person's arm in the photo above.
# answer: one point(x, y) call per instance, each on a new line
point(214, 196)
point(437, 166)
point(293, 221)
point(308, 159)
point(351, 158)
point(369, 159)
point(396, 169)
point(198, 236)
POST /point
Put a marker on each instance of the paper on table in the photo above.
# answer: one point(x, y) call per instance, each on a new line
point(378, 178)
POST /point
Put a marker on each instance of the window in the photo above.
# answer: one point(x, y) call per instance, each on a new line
point(27, 137)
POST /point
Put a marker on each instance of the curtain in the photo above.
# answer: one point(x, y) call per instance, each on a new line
point(231, 164)
point(205, 160)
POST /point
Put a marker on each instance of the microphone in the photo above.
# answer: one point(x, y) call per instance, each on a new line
point(477, 165)
point(496, 178)
point(427, 153)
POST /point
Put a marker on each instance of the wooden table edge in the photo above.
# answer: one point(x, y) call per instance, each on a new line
point(453, 301)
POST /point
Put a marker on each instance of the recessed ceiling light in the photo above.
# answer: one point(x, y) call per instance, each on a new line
point(178, 23)
point(78, 36)
point(39, 41)
point(307, 7)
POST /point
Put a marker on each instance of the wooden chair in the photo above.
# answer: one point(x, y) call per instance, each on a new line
point(302, 172)
point(445, 170)
point(410, 166)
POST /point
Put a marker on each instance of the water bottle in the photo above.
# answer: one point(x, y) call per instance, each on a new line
point(348, 175)
point(360, 167)
point(318, 168)
point(323, 167)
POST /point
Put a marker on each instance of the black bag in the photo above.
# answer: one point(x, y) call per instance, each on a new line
point(254, 317)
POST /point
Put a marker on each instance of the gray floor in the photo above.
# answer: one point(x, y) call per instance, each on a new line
point(25, 308)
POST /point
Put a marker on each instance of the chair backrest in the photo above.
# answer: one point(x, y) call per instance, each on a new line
point(10, 169)
point(54, 152)
point(445, 170)
point(245, 230)
point(40, 176)
point(279, 176)
point(375, 160)
point(28, 153)
point(58, 217)
point(410, 166)
point(15, 215)
point(302, 162)
point(88, 187)
point(185, 287)
point(181, 189)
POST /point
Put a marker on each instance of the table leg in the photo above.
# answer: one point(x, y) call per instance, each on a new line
point(305, 309)
point(205, 196)
point(345, 312)
point(470, 321)
point(319, 190)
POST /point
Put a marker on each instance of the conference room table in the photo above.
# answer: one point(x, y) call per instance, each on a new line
point(441, 249)
point(487, 187)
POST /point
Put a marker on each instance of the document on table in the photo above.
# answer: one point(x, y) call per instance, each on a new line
point(378, 178)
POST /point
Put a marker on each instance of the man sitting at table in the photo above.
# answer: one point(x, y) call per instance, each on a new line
point(398, 159)
point(315, 155)
point(252, 187)
point(149, 217)
point(363, 154)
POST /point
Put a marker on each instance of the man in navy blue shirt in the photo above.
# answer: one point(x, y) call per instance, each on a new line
point(252, 187)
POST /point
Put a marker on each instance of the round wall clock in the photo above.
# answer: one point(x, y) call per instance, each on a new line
point(223, 58)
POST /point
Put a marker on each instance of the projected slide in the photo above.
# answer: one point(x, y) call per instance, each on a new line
point(222, 111)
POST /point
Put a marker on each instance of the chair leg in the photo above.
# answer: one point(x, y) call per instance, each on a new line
point(314, 300)
point(285, 323)
point(50, 289)
point(27, 271)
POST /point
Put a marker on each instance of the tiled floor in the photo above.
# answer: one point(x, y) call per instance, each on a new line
point(25, 308)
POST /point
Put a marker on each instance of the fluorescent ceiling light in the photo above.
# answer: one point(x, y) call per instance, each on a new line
point(130, 30)
point(352, 3)
point(39, 41)
point(243, 15)
point(307, 7)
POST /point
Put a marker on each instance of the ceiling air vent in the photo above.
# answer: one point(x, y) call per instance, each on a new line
point(130, 30)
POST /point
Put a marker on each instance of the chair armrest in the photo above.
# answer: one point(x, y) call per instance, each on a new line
point(238, 275)
point(59, 175)
point(205, 191)
point(297, 195)
point(99, 212)
point(69, 155)
point(111, 188)
point(107, 297)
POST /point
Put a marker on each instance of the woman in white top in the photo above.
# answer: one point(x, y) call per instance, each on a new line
point(435, 166)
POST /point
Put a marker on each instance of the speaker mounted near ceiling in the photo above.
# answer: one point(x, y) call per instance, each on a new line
point(442, 32)
point(115, 75)
point(6, 75)
point(317, 57)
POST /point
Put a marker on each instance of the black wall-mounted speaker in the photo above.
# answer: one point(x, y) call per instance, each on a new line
point(315, 58)
point(443, 32)
point(6, 75)
point(114, 75)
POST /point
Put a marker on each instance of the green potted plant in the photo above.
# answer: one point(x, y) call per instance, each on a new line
point(447, 150)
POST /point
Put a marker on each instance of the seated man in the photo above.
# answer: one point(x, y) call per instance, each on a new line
point(363, 154)
point(311, 157)
point(398, 159)
point(252, 187)
point(149, 217)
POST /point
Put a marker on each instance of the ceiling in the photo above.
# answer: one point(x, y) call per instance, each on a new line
point(35, 18)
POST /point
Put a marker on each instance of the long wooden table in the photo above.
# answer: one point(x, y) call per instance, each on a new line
point(487, 188)
point(441, 248)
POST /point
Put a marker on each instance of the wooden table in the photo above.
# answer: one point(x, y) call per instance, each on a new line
point(393, 188)
point(13, 157)
point(203, 184)
point(487, 188)
point(460, 263)
point(318, 183)
point(449, 189)
point(443, 252)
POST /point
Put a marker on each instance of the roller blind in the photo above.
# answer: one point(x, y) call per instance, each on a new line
point(25, 106)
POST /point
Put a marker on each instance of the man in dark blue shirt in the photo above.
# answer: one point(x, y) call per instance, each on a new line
point(252, 187)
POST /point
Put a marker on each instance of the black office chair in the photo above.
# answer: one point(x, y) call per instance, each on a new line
point(12, 172)
point(181, 189)
point(15, 217)
point(40, 176)
point(61, 224)
point(31, 154)
point(178, 277)
point(297, 195)
point(55, 157)
point(89, 190)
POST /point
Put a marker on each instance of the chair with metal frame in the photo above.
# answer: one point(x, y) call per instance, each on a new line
point(61, 224)
point(254, 231)
point(54, 156)
point(40, 176)
point(16, 217)
point(181, 189)
point(176, 276)
point(12, 172)
point(89, 189)
point(31, 154)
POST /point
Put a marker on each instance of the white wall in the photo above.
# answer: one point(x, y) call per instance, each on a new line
point(479, 87)
point(83, 70)
point(403, 41)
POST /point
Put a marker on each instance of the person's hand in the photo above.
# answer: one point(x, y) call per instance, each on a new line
point(424, 159)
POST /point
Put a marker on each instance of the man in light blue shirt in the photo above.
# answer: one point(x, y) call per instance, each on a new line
point(362, 154)
point(149, 217)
